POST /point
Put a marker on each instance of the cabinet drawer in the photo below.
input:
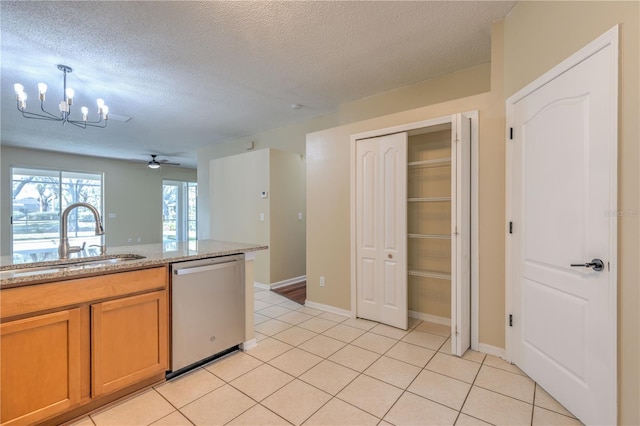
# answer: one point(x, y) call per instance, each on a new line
point(41, 297)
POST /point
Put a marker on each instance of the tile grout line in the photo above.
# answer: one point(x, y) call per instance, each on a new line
point(533, 408)
point(469, 392)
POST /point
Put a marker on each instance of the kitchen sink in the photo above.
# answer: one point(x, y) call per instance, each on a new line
point(68, 264)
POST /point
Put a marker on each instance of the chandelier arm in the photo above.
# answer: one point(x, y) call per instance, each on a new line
point(77, 124)
point(47, 112)
point(35, 116)
point(89, 122)
point(95, 125)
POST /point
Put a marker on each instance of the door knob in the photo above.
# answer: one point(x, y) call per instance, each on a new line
point(596, 264)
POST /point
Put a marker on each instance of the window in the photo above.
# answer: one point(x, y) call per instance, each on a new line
point(179, 202)
point(38, 198)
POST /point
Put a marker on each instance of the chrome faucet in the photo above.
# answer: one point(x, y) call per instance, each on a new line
point(64, 248)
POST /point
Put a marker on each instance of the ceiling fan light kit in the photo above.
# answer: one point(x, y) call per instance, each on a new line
point(64, 106)
point(155, 164)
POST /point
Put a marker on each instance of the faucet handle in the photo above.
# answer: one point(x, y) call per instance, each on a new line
point(76, 249)
point(103, 248)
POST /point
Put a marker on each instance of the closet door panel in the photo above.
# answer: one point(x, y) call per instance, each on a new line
point(368, 280)
point(381, 244)
point(367, 201)
point(461, 243)
point(394, 309)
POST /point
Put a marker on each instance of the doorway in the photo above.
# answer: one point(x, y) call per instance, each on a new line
point(179, 207)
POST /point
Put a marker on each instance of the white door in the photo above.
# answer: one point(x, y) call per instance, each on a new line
point(461, 232)
point(381, 240)
point(563, 178)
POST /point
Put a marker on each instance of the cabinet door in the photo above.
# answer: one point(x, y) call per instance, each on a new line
point(40, 366)
point(381, 233)
point(129, 341)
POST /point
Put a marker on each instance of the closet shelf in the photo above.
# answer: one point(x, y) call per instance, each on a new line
point(428, 199)
point(431, 236)
point(429, 274)
point(430, 163)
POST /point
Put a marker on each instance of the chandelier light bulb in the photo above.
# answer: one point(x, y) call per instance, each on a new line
point(42, 89)
point(19, 88)
point(85, 113)
point(22, 100)
point(105, 112)
point(70, 92)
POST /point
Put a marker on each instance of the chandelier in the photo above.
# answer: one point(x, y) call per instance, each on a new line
point(65, 105)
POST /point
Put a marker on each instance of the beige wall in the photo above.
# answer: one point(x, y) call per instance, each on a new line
point(538, 35)
point(236, 183)
point(328, 174)
point(235, 204)
point(132, 191)
point(460, 84)
point(287, 199)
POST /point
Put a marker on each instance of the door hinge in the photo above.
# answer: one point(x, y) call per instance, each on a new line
point(11, 220)
point(511, 227)
point(511, 133)
point(510, 320)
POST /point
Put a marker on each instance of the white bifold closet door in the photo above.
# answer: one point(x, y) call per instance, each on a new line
point(381, 211)
point(380, 221)
point(461, 238)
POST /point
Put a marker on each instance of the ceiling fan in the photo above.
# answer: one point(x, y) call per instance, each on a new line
point(155, 164)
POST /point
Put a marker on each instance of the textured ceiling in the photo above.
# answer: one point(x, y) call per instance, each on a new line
point(196, 73)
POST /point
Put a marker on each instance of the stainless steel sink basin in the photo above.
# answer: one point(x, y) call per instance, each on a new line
point(68, 264)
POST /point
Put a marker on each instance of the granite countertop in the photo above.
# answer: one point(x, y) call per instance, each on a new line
point(15, 274)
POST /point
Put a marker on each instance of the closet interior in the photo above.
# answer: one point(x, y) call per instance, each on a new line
point(429, 213)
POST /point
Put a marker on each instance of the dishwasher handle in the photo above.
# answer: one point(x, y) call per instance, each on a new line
point(205, 268)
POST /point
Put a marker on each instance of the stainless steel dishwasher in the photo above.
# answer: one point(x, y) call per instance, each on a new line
point(207, 310)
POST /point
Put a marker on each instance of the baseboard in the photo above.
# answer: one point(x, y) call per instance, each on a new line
point(327, 308)
point(491, 350)
point(290, 281)
point(248, 345)
point(279, 284)
point(430, 318)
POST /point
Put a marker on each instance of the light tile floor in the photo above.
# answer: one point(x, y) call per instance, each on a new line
point(316, 368)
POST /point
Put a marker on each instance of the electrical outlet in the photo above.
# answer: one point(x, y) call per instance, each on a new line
point(321, 281)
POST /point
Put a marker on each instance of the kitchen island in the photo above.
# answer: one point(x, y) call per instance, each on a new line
point(82, 332)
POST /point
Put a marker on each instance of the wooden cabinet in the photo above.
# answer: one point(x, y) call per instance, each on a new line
point(40, 366)
point(129, 341)
point(74, 345)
